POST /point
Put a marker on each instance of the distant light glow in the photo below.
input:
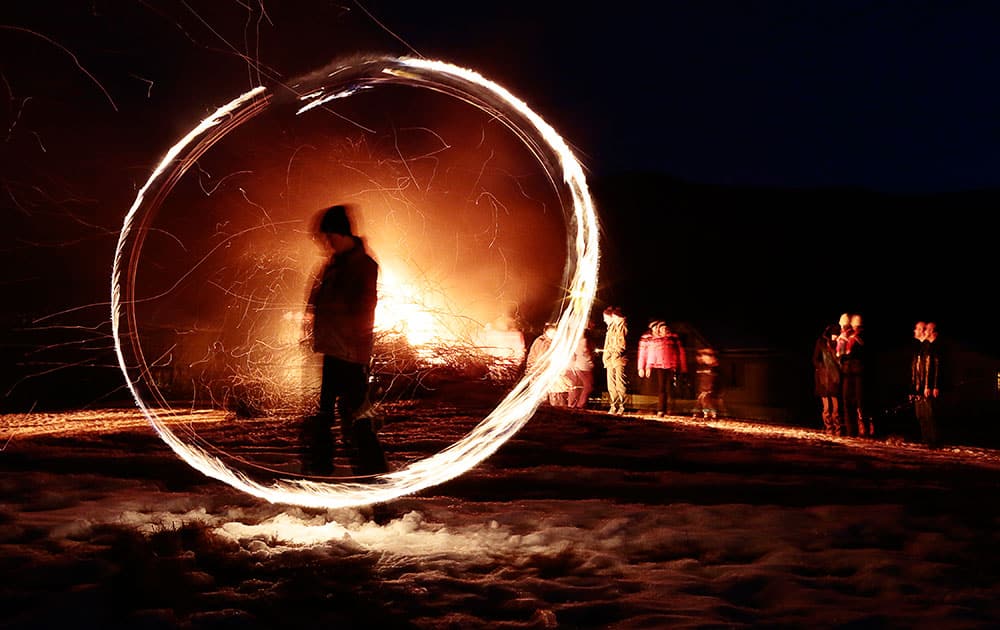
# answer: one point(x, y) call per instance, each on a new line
point(512, 412)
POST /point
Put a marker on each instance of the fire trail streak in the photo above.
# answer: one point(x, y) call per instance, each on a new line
point(341, 80)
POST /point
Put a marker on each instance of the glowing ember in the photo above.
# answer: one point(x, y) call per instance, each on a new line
point(28, 425)
point(401, 309)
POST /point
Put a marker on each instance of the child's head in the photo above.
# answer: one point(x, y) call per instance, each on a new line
point(856, 322)
point(706, 356)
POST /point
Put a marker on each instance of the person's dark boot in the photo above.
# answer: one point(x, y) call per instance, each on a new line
point(367, 456)
point(317, 446)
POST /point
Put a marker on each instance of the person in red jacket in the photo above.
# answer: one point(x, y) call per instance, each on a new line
point(662, 358)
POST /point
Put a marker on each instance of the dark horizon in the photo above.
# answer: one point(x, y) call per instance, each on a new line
point(793, 260)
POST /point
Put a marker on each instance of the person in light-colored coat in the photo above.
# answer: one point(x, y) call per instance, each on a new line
point(614, 359)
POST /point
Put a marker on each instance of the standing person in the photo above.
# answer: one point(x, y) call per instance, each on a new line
point(613, 357)
point(916, 387)
point(340, 317)
point(848, 425)
point(916, 360)
point(928, 387)
point(850, 351)
point(582, 373)
point(662, 358)
point(709, 395)
point(558, 393)
point(650, 362)
point(826, 367)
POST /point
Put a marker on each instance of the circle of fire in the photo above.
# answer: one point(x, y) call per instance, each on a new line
point(513, 412)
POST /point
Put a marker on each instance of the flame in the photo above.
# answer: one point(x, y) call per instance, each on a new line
point(406, 310)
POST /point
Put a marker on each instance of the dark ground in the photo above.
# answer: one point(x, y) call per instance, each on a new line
point(581, 520)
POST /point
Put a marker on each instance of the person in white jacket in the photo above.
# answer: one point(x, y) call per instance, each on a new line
point(581, 373)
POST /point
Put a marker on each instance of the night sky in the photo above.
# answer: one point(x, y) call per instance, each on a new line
point(887, 96)
point(758, 166)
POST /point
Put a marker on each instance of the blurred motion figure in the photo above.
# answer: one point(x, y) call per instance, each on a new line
point(340, 319)
point(707, 373)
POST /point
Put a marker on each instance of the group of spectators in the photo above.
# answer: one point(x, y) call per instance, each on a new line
point(339, 325)
point(661, 358)
point(838, 359)
point(925, 380)
point(839, 363)
point(573, 387)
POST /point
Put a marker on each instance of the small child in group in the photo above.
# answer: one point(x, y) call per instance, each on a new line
point(707, 373)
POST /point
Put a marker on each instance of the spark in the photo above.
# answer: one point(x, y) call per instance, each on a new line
point(38, 139)
point(71, 56)
point(210, 192)
point(263, 210)
point(551, 152)
point(253, 65)
point(386, 29)
point(148, 82)
point(17, 117)
point(56, 368)
point(17, 203)
point(204, 258)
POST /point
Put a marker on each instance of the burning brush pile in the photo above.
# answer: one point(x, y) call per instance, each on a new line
point(268, 367)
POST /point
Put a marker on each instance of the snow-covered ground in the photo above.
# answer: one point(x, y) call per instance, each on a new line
point(580, 520)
